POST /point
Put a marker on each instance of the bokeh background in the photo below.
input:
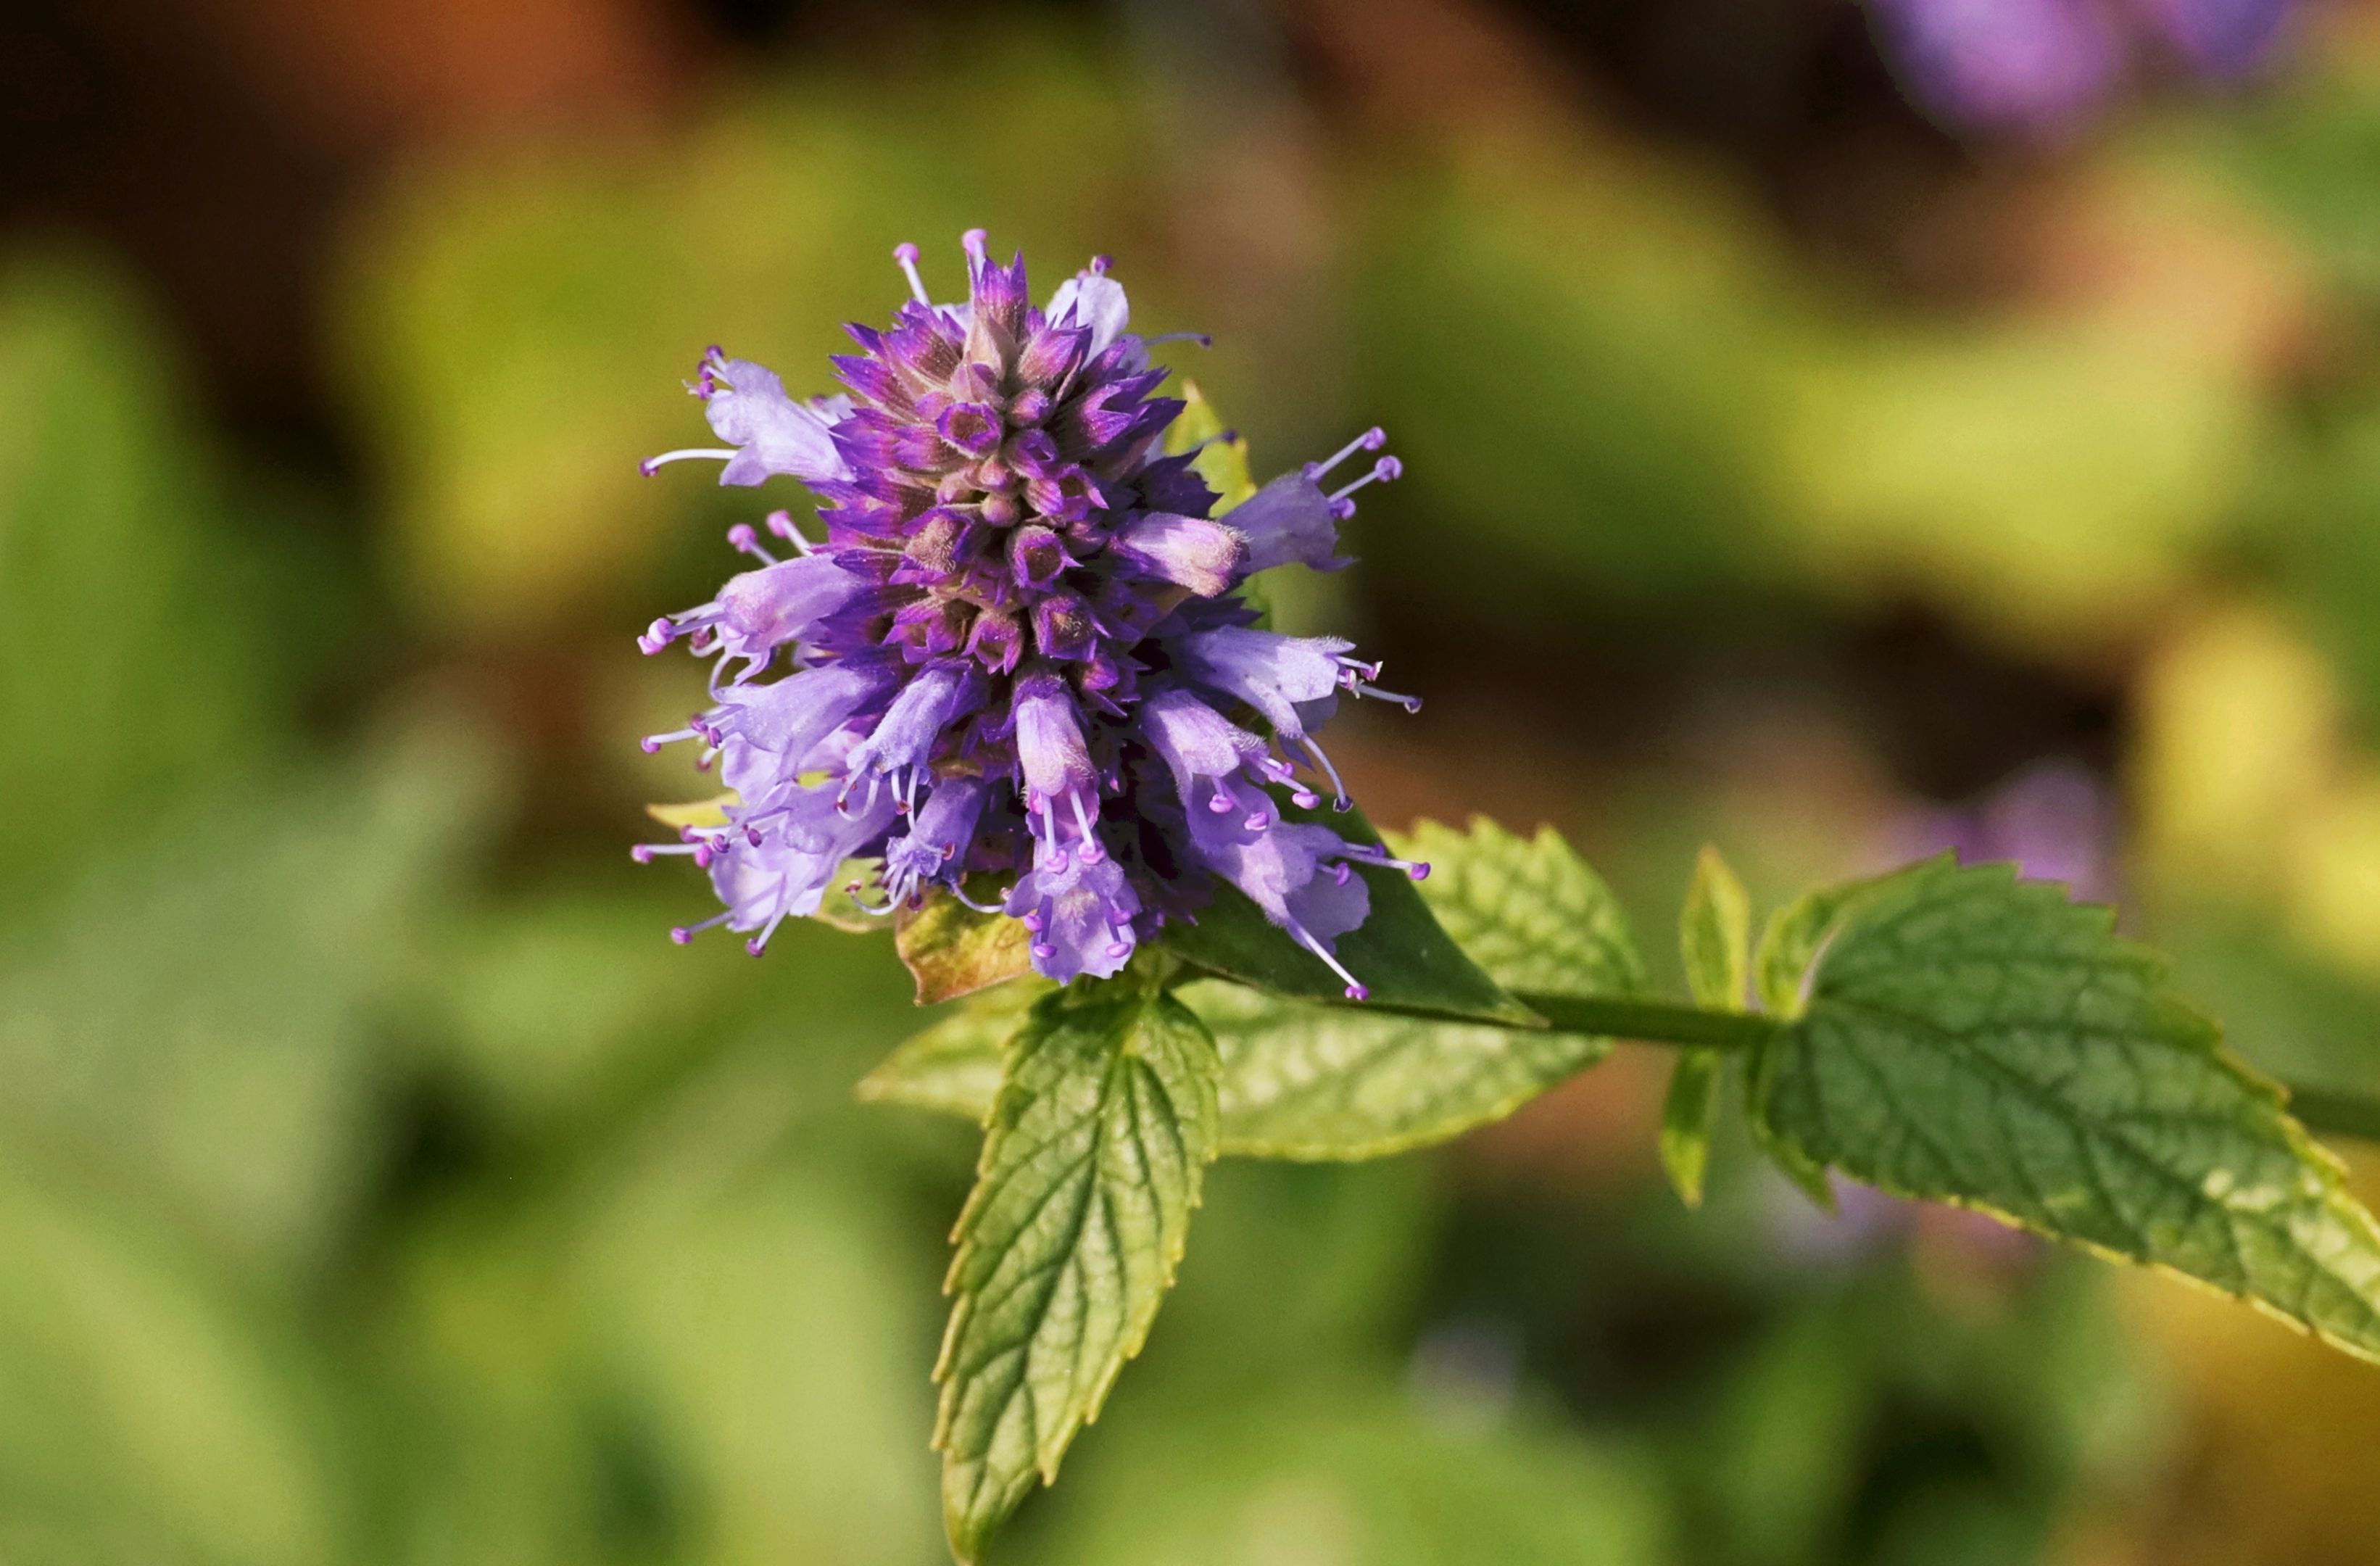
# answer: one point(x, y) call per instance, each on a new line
point(1833, 431)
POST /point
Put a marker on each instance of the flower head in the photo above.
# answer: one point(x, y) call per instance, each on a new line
point(1020, 651)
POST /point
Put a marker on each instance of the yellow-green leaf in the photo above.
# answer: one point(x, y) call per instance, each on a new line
point(952, 950)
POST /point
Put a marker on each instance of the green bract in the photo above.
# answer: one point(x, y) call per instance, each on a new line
point(1714, 939)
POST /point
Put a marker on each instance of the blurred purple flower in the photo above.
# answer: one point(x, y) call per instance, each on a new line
point(2044, 67)
point(2220, 38)
point(1868, 1223)
point(2038, 67)
point(1021, 648)
point(2053, 821)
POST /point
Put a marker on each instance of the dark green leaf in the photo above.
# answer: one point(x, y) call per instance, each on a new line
point(1780, 967)
point(1967, 1037)
point(1715, 941)
point(1400, 953)
point(1097, 1144)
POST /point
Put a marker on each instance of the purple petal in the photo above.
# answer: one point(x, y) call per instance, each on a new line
point(1083, 914)
point(748, 409)
point(1190, 552)
point(1270, 673)
point(1093, 300)
point(1289, 521)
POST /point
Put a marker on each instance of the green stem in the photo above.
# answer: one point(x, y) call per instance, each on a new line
point(2321, 1110)
point(1651, 1022)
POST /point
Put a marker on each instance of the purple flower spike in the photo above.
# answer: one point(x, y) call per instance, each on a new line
point(1020, 649)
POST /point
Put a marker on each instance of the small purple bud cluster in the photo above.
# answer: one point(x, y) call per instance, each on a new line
point(1019, 652)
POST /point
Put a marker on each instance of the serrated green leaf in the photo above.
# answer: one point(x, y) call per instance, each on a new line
point(1789, 946)
point(1401, 951)
point(1308, 1082)
point(1714, 941)
point(1527, 910)
point(1792, 942)
point(955, 1065)
point(1965, 1037)
point(1097, 1142)
point(950, 950)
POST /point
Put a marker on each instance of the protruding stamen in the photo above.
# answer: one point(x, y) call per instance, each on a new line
point(1372, 439)
point(1322, 764)
point(853, 890)
point(1372, 853)
point(991, 907)
point(759, 942)
point(684, 934)
point(742, 537)
point(1355, 686)
point(781, 524)
point(904, 256)
point(972, 243)
point(1383, 471)
point(652, 465)
point(1356, 991)
point(652, 742)
point(1093, 852)
point(1099, 265)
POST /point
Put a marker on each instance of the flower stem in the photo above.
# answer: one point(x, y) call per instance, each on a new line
point(1651, 1022)
point(2323, 1111)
